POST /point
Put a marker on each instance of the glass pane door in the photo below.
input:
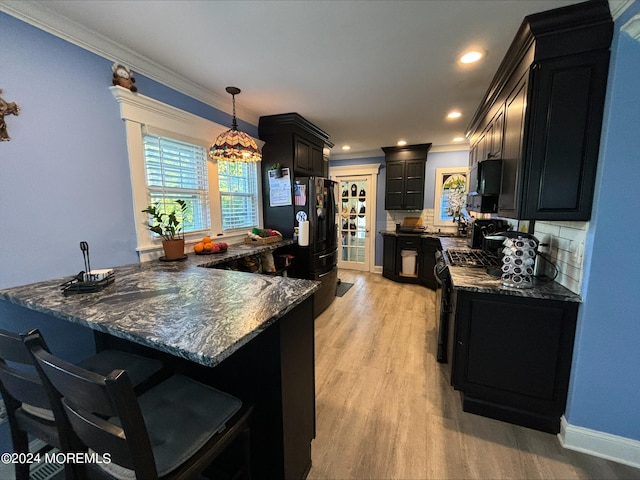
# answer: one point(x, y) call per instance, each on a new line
point(354, 223)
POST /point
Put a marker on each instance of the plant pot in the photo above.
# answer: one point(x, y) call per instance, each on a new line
point(173, 249)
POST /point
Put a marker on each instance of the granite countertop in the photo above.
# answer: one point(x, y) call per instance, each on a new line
point(421, 235)
point(478, 280)
point(201, 314)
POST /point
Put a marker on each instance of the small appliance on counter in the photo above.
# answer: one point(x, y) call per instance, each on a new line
point(481, 228)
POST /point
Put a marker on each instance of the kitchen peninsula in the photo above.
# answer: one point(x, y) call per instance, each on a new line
point(250, 335)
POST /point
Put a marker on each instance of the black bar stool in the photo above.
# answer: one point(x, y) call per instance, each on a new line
point(174, 430)
point(27, 402)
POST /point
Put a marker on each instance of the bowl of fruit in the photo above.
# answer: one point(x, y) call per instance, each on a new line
point(208, 247)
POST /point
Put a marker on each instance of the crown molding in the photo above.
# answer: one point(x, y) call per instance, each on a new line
point(40, 16)
point(617, 7)
point(632, 27)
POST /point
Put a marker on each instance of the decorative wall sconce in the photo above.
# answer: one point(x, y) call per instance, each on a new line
point(6, 108)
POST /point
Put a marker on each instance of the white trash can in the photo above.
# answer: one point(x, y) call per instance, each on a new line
point(408, 262)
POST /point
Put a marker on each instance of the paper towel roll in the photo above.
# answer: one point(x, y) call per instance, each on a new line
point(303, 234)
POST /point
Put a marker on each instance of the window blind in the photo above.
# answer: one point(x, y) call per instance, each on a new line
point(178, 170)
point(238, 184)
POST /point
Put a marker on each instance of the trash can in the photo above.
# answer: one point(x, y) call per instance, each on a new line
point(408, 262)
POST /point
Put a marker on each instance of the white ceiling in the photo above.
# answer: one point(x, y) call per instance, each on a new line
point(366, 72)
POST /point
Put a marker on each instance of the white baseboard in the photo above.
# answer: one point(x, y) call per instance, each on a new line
point(377, 269)
point(600, 444)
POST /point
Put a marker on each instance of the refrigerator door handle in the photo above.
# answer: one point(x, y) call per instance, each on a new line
point(325, 274)
point(326, 255)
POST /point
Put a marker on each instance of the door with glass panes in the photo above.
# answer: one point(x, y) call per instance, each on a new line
point(354, 222)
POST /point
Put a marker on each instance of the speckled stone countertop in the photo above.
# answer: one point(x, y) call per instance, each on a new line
point(478, 280)
point(421, 235)
point(201, 314)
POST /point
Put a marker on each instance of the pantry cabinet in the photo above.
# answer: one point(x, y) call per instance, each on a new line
point(551, 87)
point(295, 143)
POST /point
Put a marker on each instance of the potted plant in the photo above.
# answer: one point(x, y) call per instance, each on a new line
point(169, 227)
point(277, 168)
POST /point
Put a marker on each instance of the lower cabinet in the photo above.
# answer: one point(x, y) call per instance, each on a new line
point(512, 357)
point(424, 258)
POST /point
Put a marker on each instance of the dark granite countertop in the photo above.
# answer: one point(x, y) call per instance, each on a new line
point(421, 235)
point(478, 280)
point(201, 314)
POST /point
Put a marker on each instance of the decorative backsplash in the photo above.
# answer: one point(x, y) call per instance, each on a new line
point(427, 216)
point(566, 249)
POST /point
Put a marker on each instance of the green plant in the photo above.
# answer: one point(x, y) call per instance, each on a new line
point(167, 225)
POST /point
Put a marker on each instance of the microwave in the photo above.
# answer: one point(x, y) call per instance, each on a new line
point(485, 177)
point(484, 186)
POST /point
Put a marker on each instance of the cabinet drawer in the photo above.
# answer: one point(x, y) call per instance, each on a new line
point(408, 243)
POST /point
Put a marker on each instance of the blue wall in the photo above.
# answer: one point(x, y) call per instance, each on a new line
point(605, 385)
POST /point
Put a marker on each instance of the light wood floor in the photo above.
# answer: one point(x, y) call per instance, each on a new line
point(386, 411)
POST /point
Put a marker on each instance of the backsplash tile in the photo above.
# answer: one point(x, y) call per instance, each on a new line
point(427, 215)
point(566, 243)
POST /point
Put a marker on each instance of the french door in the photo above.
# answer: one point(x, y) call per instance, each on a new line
point(354, 222)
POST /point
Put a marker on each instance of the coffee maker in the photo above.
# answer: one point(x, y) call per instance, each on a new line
point(481, 227)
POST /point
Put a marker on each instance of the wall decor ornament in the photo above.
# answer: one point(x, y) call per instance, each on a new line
point(122, 77)
point(6, 108)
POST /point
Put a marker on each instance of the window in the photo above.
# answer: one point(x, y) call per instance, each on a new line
point(178, 170)
point(451, 195)
point(238, 183)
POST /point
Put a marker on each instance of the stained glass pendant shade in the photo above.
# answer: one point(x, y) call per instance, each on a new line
point(234, 145)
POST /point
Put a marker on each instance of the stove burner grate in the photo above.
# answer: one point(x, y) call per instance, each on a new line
point(471, 258)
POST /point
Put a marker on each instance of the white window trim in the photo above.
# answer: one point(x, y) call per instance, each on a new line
point(437, 204)
point(140, 112)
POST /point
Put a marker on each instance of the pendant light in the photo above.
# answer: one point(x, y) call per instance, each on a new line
point(234, 145)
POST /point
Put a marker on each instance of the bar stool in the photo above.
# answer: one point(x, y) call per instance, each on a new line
point(28, 408)
point(174, 430)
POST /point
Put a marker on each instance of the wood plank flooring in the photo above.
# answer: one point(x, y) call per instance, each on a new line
point(385, 409)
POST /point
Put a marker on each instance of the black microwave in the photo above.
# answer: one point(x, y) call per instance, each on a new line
point(485, 177)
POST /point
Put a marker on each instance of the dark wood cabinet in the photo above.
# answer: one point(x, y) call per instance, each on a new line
point(295, 143)
point(298, 145)
point(551, 87)
point(425, 248)
point(308, 159)
point(512, 357)
point(389, 256)
point(405, 175)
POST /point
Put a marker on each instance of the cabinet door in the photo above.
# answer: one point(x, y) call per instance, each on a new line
point(514, 120)
point(317, 161)
point(414, 184)
point(389, 256)
point(564, 136)
point(497, 128)
point(515, 353)
point(394, 189)
point(302, 160)
point(427, 258)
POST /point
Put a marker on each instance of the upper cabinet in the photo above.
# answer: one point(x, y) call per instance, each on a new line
point(405, 170)
point(542, 113)
point(294, 143)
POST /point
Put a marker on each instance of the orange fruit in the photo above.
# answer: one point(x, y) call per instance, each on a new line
point(206, 240)
point(198, 247)
point(208, 246)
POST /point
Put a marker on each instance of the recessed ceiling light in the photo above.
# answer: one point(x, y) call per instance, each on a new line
point(458, 139)
point(346, 147)
point(472, 56)
point(454, 114)
point(401, 143)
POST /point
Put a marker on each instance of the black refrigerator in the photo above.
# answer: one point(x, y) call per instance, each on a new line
point(314, 202)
